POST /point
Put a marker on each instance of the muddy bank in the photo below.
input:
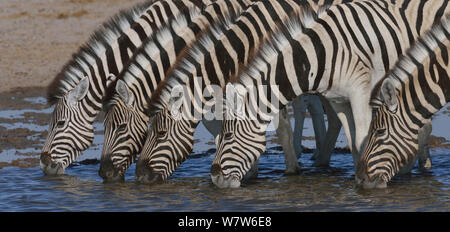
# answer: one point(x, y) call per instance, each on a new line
point(39, 36)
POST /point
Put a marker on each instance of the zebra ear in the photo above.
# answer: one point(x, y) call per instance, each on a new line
point(176, 100)
point(388, 94)
point(79, 92)
point(234, 100)
point(216, 139)
point(124, 92)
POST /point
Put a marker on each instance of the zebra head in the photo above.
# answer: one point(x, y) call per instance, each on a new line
point(125, 130)
point(236, 151)
point(392, 142)
point(169, 142)
point(71, 131)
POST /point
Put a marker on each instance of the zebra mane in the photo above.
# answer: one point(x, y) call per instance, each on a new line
point(417, 53)
point(291, 28)
point(197, 51)
point(72, 72)
point(149, 49)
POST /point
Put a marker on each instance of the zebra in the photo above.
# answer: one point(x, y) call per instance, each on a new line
point(415, 89)
point(215, 59)
point(339, 52)
point(125, 121)
point(78, 89)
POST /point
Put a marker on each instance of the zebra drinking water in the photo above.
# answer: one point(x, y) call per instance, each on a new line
point(213, 61)
point(341, 52)
point(415, 89)
point(125, 121)
point(78, 90)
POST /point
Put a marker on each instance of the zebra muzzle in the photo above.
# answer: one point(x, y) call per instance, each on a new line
point(146, 175)
point(109, 172)
point(49, 166)
point(222, 181)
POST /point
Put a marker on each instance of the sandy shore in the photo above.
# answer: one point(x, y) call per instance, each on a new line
point(39, 36)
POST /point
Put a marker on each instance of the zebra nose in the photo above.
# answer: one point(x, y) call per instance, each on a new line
point(50, 167)
point(146, 175)
point(46, 158)
point(216, 170)
point(361, 178)
point(109, 172)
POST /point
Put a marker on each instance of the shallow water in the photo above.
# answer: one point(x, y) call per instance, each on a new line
point(190, 188)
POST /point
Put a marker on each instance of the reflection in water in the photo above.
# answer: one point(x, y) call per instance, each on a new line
point(190, 189)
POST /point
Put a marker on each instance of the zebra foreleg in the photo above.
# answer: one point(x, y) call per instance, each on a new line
point(334, 127)
point(284, 133)
point(315, 109)
point(213, 126)
point(299, 115)
point(345, 115)
point(424, 146)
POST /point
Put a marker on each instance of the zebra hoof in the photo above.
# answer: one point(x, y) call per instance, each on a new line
point(292, 171)
point(425, 165)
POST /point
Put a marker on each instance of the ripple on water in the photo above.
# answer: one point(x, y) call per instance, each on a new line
point(190, 187)
point(315, 189)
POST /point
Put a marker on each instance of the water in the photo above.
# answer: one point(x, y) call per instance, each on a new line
point(190, 188)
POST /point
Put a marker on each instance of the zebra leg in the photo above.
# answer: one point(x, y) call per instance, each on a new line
point(213, 126)
point(345, 115)
point(299, 108)
point(284, 133)
point(334, 127)
point(362, 116)
point(424, 147)
point(315, 109)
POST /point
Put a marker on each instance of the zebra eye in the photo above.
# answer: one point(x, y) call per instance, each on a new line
point(60, 124)
point(162, 133)
point(122, 127)
point(381, 131)
point(228, 135)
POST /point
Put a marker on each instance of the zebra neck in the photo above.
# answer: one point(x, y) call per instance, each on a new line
point(103, 57)
point(217, 63)
point(422, 76)
point(155, 60)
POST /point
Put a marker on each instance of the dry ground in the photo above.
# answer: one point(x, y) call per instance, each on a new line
point(37, 37)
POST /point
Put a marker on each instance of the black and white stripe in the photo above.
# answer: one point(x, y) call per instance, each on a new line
point(77, 91)
point(338, 53)
point(416, 88)
point(125, 121)
point(213, 61)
